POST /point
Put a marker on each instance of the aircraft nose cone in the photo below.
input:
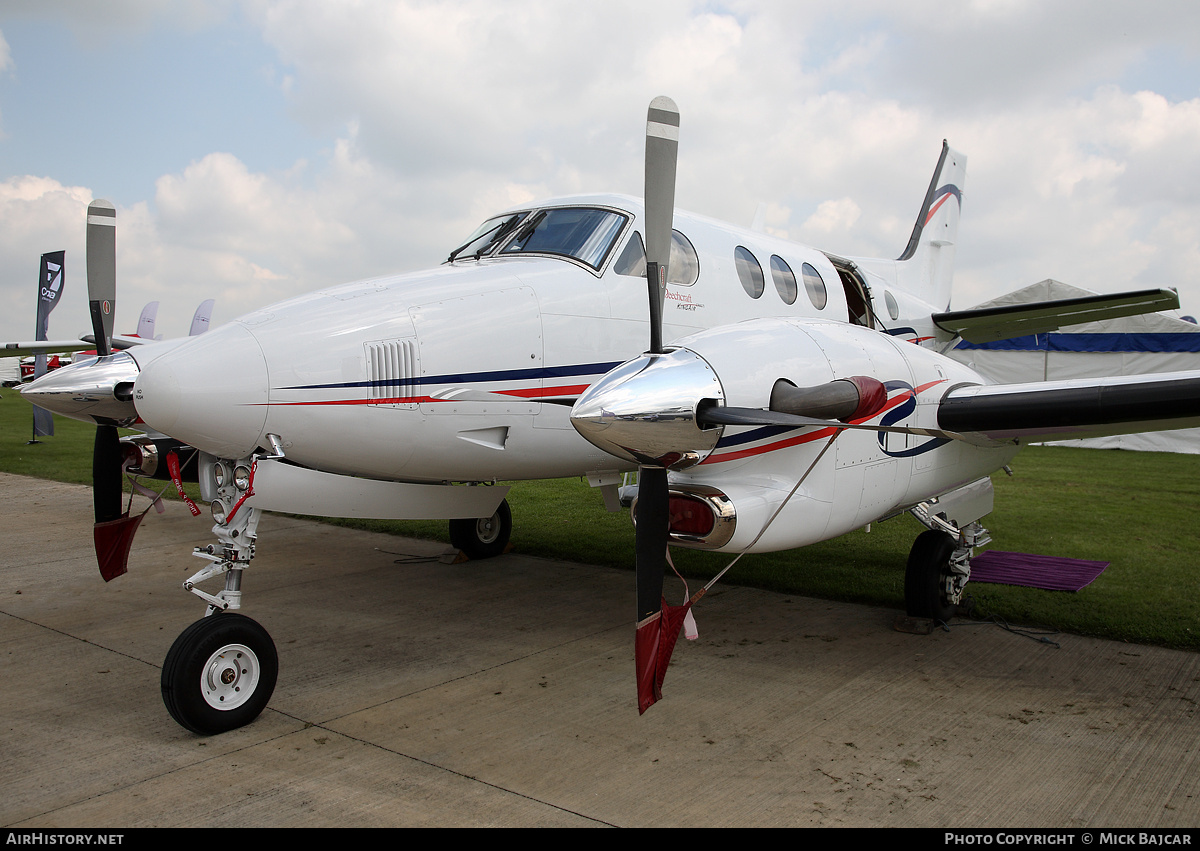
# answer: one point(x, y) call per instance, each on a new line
point(210, 392)
point(645, 410)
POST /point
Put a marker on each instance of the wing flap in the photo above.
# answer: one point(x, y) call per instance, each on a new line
point(1075, 408)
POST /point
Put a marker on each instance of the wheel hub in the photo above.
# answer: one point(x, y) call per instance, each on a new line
point(230, 677)
point(488, 529)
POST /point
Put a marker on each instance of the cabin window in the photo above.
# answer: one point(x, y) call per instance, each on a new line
point(584, 233)
point(683, 268)
point(749, 272)
point(784, 278)
point(893, 308)
point(814, 285)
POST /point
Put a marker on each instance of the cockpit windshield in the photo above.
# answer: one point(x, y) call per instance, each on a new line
point(585, 233)
point(488, 235)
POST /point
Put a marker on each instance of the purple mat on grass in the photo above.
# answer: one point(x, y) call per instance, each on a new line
point(1053, 574)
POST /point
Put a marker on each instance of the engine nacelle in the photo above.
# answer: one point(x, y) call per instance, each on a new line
point(764, 483)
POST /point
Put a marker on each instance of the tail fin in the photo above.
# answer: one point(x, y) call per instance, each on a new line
point(927, 264)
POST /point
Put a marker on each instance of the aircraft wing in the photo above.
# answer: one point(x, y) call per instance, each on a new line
point(986, 324)
point(38, 347)
point(1074, 408)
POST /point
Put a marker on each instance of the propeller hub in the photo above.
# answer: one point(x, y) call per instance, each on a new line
point(96, 390)
point(645, 410)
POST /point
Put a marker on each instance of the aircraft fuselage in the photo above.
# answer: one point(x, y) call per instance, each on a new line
point(466, 373)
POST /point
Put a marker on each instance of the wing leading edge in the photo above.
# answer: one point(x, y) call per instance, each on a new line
point(1075, 408)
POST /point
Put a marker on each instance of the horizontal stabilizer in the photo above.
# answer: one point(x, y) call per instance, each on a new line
point(1075, 408)
point(983, 325)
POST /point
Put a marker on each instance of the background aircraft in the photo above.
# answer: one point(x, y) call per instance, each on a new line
point(760, 418)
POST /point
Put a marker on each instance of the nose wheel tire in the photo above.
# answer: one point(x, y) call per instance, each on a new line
point(484, 537)
point(931, 589)
point(219, 674)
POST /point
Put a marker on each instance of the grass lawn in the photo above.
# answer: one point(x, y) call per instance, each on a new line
point(1134, 509)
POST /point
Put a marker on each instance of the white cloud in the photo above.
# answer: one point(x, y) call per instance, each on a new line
point(40, 215)
point(6, 61)
point(831, 216)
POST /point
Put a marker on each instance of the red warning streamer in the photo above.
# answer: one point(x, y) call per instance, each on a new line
point(177, 478)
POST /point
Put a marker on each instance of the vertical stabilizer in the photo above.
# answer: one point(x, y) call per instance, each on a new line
point(927, 264)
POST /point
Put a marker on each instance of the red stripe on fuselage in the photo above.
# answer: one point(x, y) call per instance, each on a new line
point(524, 393)
point(535, 392)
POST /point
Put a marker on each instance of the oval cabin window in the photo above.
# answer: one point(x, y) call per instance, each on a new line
point(814, 285)
point(749, 272)
point(784, 278)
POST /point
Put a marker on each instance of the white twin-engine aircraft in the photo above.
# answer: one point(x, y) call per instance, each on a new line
point(787, 396)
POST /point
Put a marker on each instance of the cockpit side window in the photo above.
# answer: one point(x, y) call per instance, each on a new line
point(683, 268)
point(632, 261)
point(584, 233)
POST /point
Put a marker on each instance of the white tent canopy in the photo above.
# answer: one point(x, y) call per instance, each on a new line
point(1132, 345)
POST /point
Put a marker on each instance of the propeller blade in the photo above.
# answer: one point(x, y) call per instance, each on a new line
point(656, 631)
point(114, 529)
point(662, 154)
point(107, 484)
point(102, 271)
point(651, 539)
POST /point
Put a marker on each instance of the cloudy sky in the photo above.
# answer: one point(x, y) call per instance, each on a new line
point(259, 149)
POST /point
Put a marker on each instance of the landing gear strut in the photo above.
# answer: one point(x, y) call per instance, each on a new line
point(485, 537)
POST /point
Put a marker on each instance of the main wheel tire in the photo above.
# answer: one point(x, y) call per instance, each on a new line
point(219, 673)
point(485, 537)
point(927, 577)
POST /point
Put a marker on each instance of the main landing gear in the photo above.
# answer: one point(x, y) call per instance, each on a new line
point(939, 565)
point(485, 537)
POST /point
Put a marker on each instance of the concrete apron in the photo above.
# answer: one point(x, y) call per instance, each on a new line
point(501, 692)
